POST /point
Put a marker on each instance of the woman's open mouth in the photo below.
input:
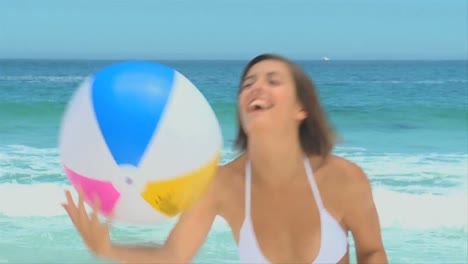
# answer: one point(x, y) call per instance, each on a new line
point(259, 105)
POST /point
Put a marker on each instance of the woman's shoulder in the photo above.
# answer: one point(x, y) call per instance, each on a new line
point(345, 179)
point(346, 171)
point(229, 177)
point(227, 185)
point(351, 182)
point(231, 173)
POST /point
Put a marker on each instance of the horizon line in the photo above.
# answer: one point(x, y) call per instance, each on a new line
point(227, 59)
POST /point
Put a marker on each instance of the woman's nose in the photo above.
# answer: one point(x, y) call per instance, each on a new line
point(258, 85)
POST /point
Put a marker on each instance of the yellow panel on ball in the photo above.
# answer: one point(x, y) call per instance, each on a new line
point(172, 196)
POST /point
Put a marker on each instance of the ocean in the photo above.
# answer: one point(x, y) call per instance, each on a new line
point(404, 122)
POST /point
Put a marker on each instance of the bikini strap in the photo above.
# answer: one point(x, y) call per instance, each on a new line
point(313, 184)
point(247, 188)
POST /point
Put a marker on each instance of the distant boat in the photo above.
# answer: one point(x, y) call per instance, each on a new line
point(325, 58)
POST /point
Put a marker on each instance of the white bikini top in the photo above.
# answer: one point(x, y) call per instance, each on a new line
point(333, 244)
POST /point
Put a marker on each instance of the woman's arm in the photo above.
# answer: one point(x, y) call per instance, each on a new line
point(183, 242)
point(362, 219)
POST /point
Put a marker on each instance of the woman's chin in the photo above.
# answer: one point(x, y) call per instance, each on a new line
point(259, 126)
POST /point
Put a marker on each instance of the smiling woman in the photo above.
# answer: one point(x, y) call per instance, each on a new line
point(286, 197)
point(316, 135)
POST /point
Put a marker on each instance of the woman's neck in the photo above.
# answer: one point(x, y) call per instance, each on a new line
point(275, 160)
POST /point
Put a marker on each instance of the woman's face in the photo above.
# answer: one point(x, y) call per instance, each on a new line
point(267, 99)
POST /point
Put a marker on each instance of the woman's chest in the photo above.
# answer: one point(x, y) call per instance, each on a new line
point(280, 219)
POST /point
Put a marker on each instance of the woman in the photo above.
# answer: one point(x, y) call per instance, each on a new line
point(286, 198)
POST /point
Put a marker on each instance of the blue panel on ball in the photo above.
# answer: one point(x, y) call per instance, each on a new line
point(129, 99)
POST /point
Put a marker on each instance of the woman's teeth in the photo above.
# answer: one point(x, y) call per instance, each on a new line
point(258, 105)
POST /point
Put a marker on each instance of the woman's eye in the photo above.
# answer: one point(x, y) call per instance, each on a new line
point(274, 82)
point(246, 85)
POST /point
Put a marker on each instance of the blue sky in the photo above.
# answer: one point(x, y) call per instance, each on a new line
point(234, 29)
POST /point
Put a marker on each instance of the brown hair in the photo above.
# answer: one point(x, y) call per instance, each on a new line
point(316, 135)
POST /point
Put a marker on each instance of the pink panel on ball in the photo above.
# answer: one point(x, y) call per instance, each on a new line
point(106, 192)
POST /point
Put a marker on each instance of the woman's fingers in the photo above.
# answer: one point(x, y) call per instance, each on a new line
point(79, 215)
point(83, 215)
point(109, 220)
point(96, 207)
point(70, 207)
point(81, 207)
point(94, 234)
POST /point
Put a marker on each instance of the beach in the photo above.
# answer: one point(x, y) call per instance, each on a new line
point(404, 122)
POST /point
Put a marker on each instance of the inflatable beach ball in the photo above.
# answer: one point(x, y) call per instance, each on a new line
point(141, 137)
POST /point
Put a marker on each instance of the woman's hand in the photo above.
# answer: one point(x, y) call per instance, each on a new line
point(181, 246)
point(94, 233)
